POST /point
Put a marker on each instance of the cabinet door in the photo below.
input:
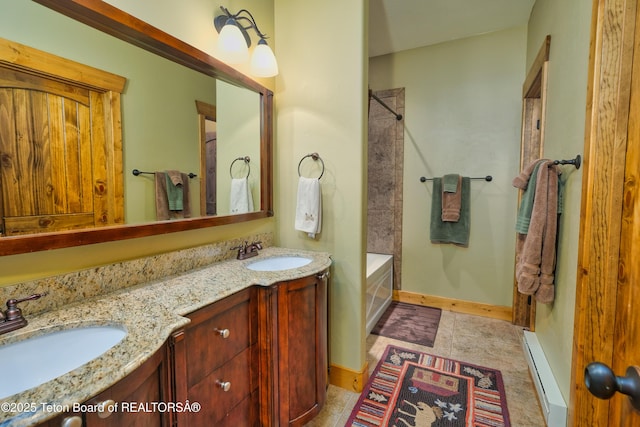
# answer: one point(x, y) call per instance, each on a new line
point(138, 400)
point(302, 342)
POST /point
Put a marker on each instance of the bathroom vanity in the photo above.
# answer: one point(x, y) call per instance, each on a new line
point(249, 348)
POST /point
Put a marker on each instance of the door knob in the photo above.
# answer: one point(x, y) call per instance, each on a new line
point(603, 383)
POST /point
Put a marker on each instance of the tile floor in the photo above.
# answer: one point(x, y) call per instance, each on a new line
point(486, 342)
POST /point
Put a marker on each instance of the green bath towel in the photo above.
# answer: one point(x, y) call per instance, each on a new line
point(526, 202)
point(174, 195)
point(450, 183)
point(456, 233)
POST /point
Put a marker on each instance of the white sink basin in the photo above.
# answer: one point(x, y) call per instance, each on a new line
point(279, 263)
point(34, 361)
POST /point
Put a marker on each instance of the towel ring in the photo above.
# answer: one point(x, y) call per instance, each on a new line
point(246, 159)
point(314, 156)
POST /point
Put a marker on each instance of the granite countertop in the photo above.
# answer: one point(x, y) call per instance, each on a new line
point(150, 313)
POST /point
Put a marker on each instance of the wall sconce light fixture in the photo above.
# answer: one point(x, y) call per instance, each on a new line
point(234, 43)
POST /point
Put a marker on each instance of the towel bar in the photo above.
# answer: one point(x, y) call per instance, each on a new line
point(137, 172)
point(247, 160)
point(577, 161)
point(487, 178)
point(314, 156)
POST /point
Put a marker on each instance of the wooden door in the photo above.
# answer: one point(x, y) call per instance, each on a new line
point(607, 320)
point(626, 342)
point(60, 143)
point(46, 159)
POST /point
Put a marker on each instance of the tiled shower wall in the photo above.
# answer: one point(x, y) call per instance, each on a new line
point(385, 169)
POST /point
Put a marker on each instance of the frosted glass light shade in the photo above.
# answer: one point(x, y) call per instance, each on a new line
point(263, 61)
point(232, 46)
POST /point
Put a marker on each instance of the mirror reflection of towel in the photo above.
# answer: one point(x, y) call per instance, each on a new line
point(309, 206)
point(174, 190)
point(241, 199)
point(163, 211)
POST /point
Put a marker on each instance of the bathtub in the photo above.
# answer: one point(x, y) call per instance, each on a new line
point(379, 287)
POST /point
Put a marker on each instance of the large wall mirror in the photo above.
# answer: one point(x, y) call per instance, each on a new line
point(182, 110)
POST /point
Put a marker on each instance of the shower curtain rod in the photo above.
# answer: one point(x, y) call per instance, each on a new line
point(398, 116)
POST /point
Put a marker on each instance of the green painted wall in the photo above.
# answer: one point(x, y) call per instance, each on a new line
point(462, 115)
point(569, 23)
point(320, 107)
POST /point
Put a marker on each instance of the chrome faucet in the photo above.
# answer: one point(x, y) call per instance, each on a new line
point(12, 318)
point(247, 250)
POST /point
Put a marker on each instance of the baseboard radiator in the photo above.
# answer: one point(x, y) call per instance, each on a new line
point(553, 406)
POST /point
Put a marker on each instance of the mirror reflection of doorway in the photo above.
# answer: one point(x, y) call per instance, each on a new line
point(210, 170)
point(208, 143)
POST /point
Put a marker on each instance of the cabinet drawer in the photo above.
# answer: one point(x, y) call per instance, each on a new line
point(208, 348)
point(216, 403)
point(243, 415)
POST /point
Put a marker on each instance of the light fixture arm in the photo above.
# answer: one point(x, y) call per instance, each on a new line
point(221, 20)
point(252, 22)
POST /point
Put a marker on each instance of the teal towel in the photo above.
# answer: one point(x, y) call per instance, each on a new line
point(560, 195)
point(526, 203)
point(450, 232)
point(450, 183)
point(174, 195)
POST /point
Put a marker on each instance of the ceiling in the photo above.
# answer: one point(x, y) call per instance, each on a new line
point(396, 25)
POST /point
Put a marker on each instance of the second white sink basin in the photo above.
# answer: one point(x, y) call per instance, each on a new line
point(34, 361)
point(279, 263)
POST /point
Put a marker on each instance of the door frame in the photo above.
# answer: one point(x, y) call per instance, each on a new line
point(534, 101)
point(606, 143)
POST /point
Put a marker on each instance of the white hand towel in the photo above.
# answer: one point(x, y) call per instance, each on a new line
point(241, 198)
point(309, 206)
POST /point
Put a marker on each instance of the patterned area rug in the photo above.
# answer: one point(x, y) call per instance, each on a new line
point(414, 389)
point(408, 322)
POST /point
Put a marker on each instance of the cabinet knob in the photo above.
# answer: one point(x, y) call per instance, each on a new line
point(224, 333)
point(106, 408)
point(224, 385)
point(73, 421)
point(322, 276)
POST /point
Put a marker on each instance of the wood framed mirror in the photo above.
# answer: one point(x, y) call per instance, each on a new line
point(115, 22)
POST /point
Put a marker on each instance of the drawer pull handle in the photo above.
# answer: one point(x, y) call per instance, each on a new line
point(224, 333)
point(224, 385)
point(73, 421)
point(106, 408)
